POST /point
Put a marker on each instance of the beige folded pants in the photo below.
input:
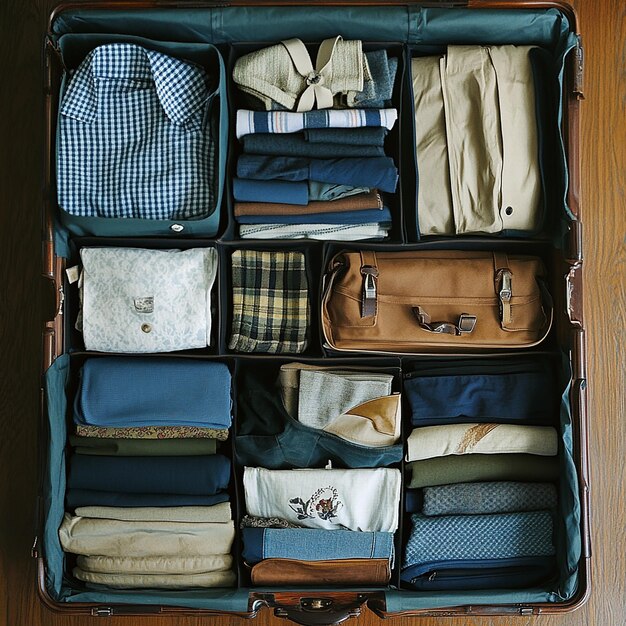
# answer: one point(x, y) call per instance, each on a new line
point(476, 141)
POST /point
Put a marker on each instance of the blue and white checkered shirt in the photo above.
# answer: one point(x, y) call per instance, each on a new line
point(133, 139)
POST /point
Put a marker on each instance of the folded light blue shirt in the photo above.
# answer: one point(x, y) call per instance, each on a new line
point(125, 392)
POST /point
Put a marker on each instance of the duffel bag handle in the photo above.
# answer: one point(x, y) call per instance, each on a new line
point(463, 326)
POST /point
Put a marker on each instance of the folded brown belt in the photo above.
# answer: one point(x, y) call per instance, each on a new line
point(410, 301)
point(344, 572)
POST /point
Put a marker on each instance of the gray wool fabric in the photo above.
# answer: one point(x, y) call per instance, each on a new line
point(323, 396)
point(489, 497)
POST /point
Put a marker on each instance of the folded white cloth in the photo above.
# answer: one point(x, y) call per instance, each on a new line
point(155, 564)
point(216, 513)
point(340, 232)
point(224, 578)
point(83, 535)
point(140, 300)
point(428, 442)
point(353, 499)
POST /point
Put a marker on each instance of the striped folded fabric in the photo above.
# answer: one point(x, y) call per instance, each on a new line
point(292, 122)
point(270, 302)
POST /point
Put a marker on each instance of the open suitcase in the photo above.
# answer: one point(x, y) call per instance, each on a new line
point(215, 35)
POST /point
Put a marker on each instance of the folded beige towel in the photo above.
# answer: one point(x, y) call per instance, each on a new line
point(84, 535)
point(216, 513)
point(155, 564)
point(434, 441)
point(153, 581)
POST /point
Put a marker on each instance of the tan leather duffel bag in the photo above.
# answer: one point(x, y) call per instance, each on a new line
point(415, 301)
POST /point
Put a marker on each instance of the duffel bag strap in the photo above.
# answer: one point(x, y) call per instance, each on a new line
point(464, 325)
point(503, 285)
point(369, 291)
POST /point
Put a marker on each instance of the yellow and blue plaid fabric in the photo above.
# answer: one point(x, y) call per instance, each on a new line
point(270, 302)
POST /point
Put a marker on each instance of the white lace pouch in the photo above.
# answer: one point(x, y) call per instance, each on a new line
point(138, 300)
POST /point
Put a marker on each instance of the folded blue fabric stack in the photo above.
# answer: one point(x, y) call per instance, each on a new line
point(316, 174)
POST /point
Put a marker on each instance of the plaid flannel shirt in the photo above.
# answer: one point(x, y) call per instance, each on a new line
point(270, 302)
point(132, 138)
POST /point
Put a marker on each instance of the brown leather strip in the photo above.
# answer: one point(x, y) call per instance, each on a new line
point(369, 291)
point(343, 572)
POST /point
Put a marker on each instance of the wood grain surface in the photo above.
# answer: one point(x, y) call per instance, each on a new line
point(22, 24)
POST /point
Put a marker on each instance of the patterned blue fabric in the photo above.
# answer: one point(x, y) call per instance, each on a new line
point(132, 137)
point(489, 497)
point(476, 537)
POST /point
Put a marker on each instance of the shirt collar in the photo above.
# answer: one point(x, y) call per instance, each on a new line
point(180, 87)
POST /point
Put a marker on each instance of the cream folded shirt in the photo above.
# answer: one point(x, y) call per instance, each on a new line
point(84, 535)
point(155, 564)
point(428, 442)
point(153, 581)
point(332, 499)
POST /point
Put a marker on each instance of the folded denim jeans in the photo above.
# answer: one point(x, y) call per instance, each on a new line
point(378, 172)
point(314, 545)
point(129, 392)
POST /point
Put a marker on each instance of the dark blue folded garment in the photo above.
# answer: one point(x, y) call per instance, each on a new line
point(124, 392)
point(413, 500)
point(482, 397)
point(310, 544)
point(295, 145)
point(191, 475)
point(365, 136)
point(278, 191)
point(373, 172)
point(87, 497)
point(489, 574)
point(364, 216)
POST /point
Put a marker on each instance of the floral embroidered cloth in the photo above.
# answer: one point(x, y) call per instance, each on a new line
point(353, 499)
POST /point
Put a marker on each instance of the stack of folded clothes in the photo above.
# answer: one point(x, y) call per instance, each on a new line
point(146, 485)
point(481, 495)
point(311, 527)
point(315, 173)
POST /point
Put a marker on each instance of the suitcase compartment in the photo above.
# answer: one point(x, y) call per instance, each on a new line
point(216, 37)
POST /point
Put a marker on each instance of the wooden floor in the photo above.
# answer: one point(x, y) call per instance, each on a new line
point(22, 24)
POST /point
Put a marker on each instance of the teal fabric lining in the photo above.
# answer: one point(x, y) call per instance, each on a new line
point(73, 48)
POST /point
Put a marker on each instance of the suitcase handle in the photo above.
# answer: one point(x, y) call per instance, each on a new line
point(323, 610)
